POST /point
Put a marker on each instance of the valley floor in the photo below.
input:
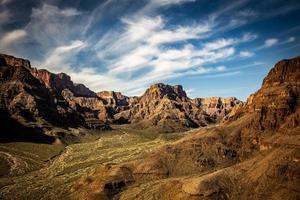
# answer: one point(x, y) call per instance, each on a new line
point(42, 171)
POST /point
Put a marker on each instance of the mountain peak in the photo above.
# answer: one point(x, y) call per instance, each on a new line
point(285, 71)
point(13, 61)
point(161, 90)
point(61, 81)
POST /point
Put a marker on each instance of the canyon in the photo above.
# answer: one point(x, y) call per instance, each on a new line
point(36, 98)
point(60, 140)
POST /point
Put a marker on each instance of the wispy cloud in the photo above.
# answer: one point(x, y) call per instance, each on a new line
point(268, 43)
point(142, 45)
point(246, 54)
point(129, 46)
point(3, 2)
point(168, 2)
point(4, 16)
point(11, 38)
point(61, 56)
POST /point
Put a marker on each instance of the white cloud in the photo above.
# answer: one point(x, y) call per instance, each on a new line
point(249, 37)
point(220, 43)
point(150, 57)
point(159, 3)
point(49, 11)
point(190, 92)
point(271, 42)
point(268, 43)
point(246, 54)
point(179, 34)
point(58, 59)
point(11, 37)
point(222, 75)
point(291, 39)
point(2, 2)
point(247, 13)
point(51, 26)
point(221, 68)
point(141, 50)
point(4, 16)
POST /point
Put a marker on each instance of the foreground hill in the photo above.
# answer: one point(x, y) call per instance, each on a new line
point(37, 105)
point(254, 154)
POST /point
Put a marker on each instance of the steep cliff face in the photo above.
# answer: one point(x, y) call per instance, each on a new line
point(26, 103)
point(169, 109)
point(77, 97)
point(13, 61)
point(116, 100)
point(217, 107)
point(162, 107)
point(277, 101)
point(59, 82)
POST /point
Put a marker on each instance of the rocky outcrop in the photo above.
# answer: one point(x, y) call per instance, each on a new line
point(13, 61)
point(278, 99)
point(163, 107)
point(92, 109)
point(77, 97)
point(216, 107)
point(26, 105)
point(168, 108)
point(59, 82)
point(116, 100)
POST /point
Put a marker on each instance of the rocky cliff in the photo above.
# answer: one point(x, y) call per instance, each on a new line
point(253, 155)
point(61, 81)
point(277, 102)
point(167, 108)
point(216, 107)
point(27, 107)
point(163, 108)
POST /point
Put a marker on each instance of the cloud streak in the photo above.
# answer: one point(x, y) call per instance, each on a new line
point(11, 38)
point(117, 45)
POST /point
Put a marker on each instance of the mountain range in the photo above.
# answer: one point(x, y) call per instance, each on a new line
point(204, 148)
point(38, 100)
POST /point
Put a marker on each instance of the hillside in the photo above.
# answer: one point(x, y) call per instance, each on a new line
point(44, 103)
point(251, 153)
point(254, 154)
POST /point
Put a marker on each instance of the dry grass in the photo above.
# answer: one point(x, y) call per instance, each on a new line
point(54, 179)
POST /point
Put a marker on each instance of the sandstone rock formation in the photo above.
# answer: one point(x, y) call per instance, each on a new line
point(167, 108)
point(77, 97)
point(26, 104)
point(254, 154)
point(217, 107)
point(277, 102)
point(162, 108)
point(36, 105)
point(59, 82)
point(116, 100)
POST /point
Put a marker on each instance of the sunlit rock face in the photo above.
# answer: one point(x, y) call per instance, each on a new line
point(278, 99)
point(217, 107)
point(61, 81)
point(163, 107)
point(170, 109)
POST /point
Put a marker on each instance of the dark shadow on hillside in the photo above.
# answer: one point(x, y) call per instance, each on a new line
point(12, 131)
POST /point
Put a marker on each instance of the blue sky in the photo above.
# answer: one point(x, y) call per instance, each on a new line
point(212, 48)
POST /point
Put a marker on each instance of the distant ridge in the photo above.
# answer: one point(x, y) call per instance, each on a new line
point(53, 100)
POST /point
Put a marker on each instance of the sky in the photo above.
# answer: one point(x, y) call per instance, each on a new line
point(211, 47)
